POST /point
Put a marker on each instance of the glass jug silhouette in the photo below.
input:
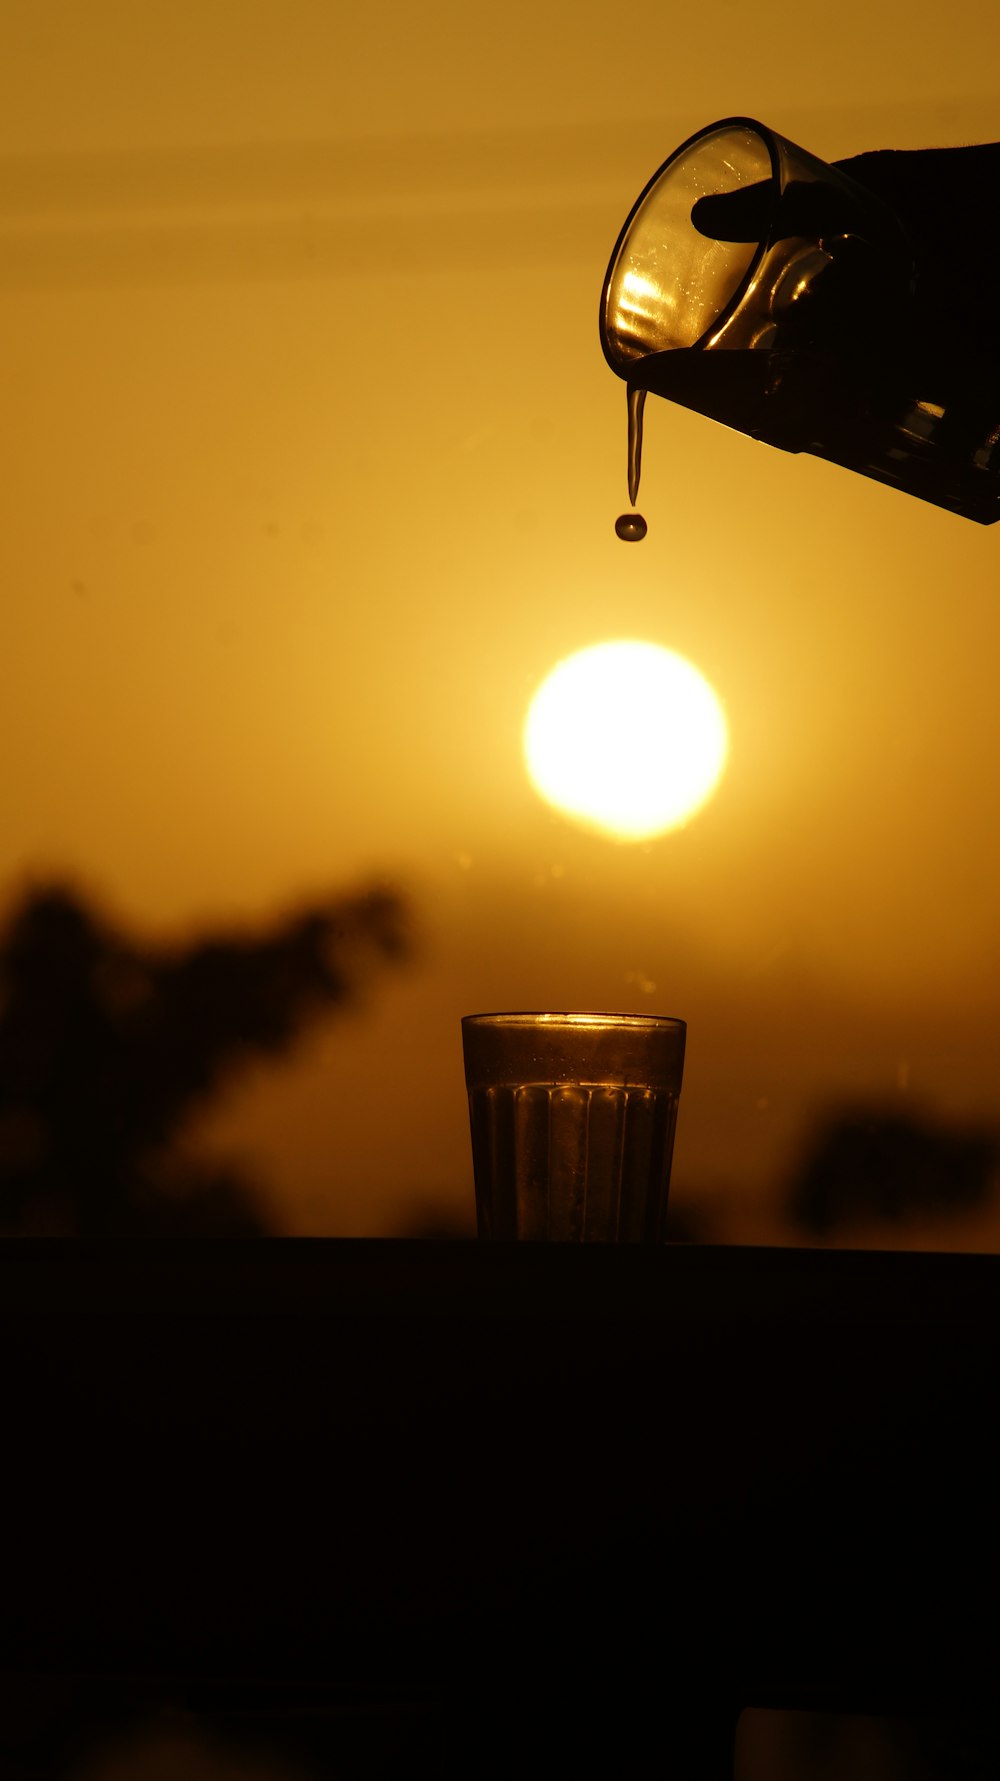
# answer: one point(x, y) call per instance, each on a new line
point(774, 293)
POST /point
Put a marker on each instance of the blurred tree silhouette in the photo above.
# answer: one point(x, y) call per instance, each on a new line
point(866, 1164)
point(107, 1046)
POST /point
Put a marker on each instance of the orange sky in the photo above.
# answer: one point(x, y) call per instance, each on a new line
point(313, 461)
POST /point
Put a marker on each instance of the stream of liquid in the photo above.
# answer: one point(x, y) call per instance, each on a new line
point(631, 526)
point(636, 404)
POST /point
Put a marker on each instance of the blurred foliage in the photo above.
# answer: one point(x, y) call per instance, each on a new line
point(108, 1045)
point(864, 1164)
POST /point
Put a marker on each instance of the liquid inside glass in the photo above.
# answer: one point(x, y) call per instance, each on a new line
point(572, 1162)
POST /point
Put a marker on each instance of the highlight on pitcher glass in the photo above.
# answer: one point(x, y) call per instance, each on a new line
point(573, 1118)
point(762, 287)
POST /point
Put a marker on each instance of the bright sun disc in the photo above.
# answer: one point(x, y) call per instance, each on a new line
point(625, 737)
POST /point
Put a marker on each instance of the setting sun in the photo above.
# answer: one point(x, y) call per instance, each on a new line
point(625, 737)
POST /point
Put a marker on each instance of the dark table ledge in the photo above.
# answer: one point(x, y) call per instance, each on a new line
point(760, 1476)
point(396, 1277)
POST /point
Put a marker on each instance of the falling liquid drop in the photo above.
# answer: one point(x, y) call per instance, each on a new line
point(631, 527)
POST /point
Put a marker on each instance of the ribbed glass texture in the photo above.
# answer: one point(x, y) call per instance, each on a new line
point(572, 1163)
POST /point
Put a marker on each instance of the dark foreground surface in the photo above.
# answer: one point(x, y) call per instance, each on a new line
point(450, 1499)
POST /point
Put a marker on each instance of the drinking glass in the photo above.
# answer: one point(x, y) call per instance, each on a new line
point(573, 1118)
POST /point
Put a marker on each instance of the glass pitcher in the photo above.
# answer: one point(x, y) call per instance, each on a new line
point(762, 287)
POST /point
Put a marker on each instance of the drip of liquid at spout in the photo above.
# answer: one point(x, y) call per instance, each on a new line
point(636, 404)
point(631, 526)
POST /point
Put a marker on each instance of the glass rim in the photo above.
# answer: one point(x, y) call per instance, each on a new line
point(574, 1018)
point(771, 142)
